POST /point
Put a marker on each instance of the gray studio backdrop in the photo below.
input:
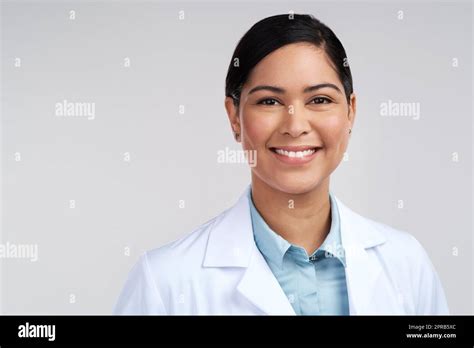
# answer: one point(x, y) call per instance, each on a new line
point(113, 116)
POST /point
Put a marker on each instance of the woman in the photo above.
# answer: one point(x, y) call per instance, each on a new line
point(288, 246)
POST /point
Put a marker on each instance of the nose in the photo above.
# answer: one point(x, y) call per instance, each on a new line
point(296, 122)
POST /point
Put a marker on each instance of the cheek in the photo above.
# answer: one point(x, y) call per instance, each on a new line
point(333, 132)
point(257, 130)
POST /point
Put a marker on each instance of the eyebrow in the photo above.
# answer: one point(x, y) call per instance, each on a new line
point(280, 90)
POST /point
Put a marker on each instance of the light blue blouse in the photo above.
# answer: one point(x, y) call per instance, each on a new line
point(315, 284)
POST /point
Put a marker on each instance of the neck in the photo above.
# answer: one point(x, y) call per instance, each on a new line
point(302, 219)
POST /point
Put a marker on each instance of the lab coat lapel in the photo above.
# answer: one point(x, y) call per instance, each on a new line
point(368, 287)
point(231, 244)
point(260, 287)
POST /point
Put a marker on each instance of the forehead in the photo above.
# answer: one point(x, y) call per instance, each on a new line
point(294, 65)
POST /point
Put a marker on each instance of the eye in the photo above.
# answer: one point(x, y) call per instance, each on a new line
point(268, 101)
point(322, 100)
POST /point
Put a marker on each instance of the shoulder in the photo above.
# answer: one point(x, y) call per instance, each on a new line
point(399, 247)
point(400, 242)
point(409, 266)
point(395, 243)
point(183, 254)
point(157, 272)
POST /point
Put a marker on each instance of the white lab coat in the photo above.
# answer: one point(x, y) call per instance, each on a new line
point(218, 269)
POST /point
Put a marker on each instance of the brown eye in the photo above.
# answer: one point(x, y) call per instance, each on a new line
point(268, 101)
point(322, 100)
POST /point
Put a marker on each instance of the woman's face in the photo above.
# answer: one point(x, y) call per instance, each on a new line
point(293, 100)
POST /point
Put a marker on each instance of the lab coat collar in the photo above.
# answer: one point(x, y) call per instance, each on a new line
point(231, 244)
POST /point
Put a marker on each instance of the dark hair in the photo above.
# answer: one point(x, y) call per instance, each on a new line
point(273, 32)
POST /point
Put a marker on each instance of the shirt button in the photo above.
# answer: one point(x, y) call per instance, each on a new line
point(313, 258)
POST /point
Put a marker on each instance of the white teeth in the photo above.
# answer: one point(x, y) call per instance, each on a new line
point(298, 154)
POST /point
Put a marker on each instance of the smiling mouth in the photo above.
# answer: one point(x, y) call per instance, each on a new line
point(296, 151)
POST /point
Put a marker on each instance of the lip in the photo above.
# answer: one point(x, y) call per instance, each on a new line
point(295, 147)
point(295, 160)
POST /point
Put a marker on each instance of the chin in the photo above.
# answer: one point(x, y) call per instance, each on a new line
point(296, 186)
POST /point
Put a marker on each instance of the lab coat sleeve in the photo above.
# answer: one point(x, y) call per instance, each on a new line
point(139, 294)
point(431, 299)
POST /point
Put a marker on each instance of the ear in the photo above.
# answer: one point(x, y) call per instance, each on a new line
point(233, 115)
point(352, 109)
